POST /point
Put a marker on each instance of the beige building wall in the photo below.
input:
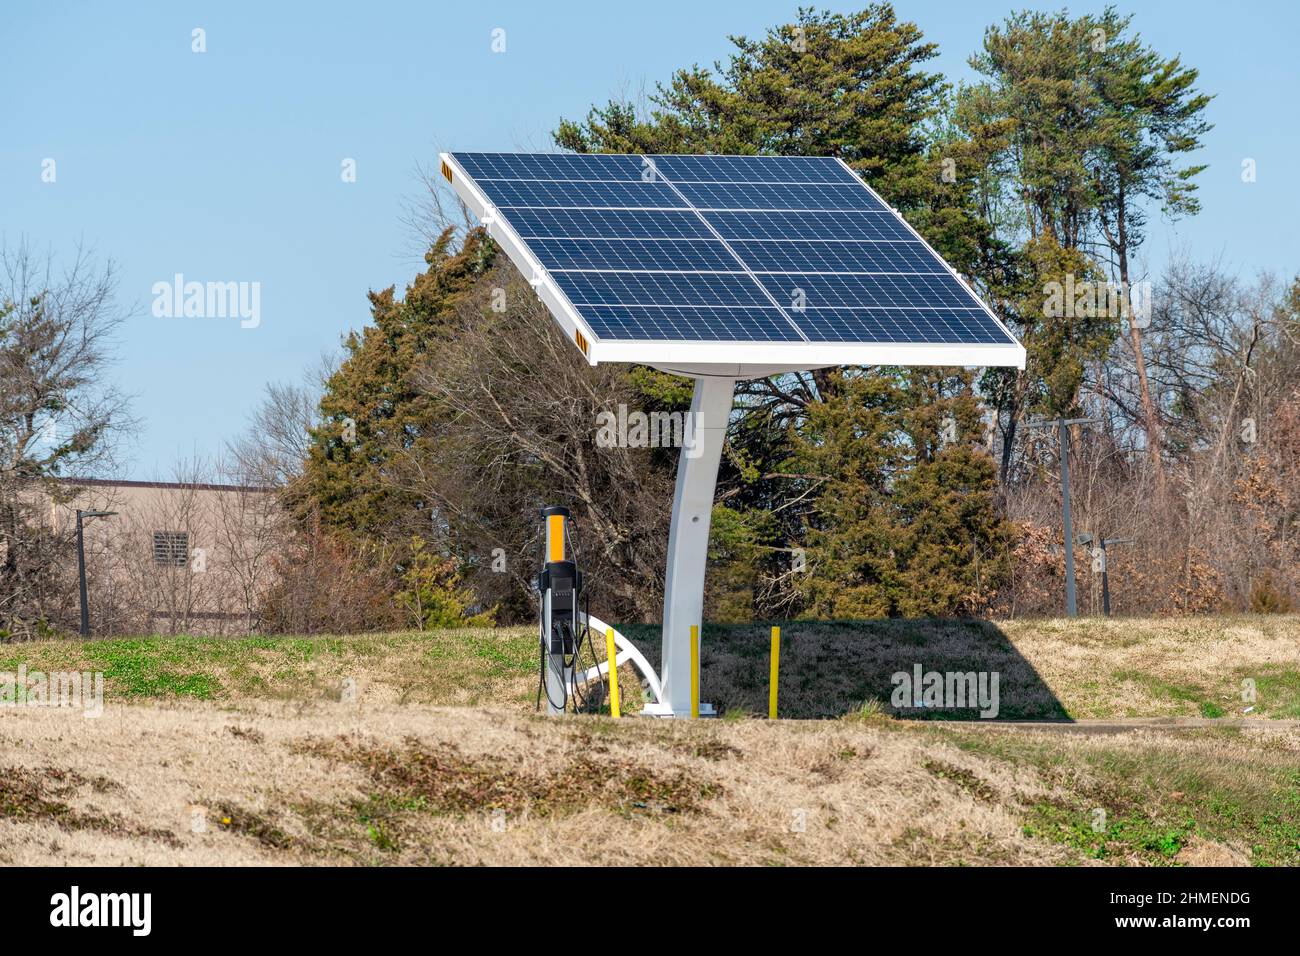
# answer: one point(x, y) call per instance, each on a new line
point(176, 557)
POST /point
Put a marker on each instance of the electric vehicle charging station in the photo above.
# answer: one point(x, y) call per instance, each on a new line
point(564, 625)
point(560, 586)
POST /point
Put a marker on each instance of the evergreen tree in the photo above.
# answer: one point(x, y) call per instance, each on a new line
point(1083, 124)
point(905, 522)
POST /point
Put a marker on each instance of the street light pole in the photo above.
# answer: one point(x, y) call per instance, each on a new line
point(81, 577)
point(81, 565)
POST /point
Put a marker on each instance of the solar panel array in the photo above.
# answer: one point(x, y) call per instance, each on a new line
point(728, 249)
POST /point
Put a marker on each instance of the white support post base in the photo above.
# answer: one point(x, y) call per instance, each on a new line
point(688, 542)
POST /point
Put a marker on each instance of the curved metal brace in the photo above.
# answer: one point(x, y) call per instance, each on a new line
point(625, 651)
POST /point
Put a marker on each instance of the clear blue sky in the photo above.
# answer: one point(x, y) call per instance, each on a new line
point(225, 166)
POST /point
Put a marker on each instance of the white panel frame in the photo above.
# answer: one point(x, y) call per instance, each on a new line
point(790, 356)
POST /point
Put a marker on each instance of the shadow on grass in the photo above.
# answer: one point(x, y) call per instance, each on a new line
point(833, 668)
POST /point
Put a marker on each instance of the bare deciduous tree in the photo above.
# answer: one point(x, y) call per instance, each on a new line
point(58, 418)
point(277, 440)
point(1226, 363)
point(525, 405)
point(249, 529)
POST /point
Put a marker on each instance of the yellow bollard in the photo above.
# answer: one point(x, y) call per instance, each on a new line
point(695, 671)
point(772, 677)
point(611, 655)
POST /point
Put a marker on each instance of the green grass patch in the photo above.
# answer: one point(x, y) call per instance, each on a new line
point(1098, 836)
point(1162, 689)
point(1153, 798)
point(1277, 690)
point(474, 666)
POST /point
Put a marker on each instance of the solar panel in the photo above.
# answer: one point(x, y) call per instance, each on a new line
point(742, 169)
point(816, 290)
point(747, 260)
point(732, 324)
point(582, 194)
point(774, 196)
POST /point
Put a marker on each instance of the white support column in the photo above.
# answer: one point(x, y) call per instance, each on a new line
point(688, 539)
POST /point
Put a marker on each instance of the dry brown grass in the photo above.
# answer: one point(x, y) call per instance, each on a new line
point(1168, 667)
point(283, 767)
point(334, 783)
point(329, 783)
point(464, 667)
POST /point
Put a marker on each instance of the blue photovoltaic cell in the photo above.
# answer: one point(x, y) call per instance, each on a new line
point(728, 248)
point(549, 193)
point(690, 323)
point(752, 169)
point(659, 288)
point(813, 196)
point(829, 256)
point(970, 326)
point(679, 255)
point(600, 224)
point(552, 166)
point(809, 225)
point(820, 291)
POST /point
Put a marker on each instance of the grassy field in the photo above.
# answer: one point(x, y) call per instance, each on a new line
point(423, 748)
point(1048, 669)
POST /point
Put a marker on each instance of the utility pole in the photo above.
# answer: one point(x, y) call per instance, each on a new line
point(1062, 426)
point(81, 565)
